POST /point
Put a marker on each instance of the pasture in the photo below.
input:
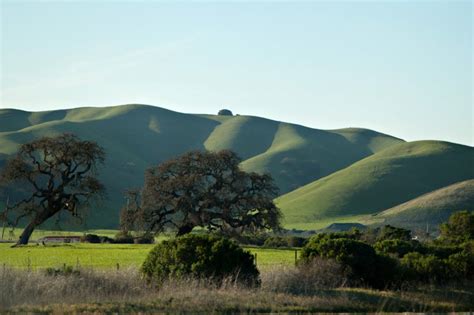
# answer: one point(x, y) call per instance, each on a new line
point(109, 255)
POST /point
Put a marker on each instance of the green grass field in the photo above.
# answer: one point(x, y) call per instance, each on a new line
point(109, 255)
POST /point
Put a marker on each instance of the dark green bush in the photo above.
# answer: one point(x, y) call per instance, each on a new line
point(424, 268)
point(398, 247)
point(389, 232)
point(296, 241)
point(91, 238)
point(145, 239)
point(106, 239)
point(442, 251)
point(356, 255)
point(461, 266)
point(257, 239)
point(124, 238)
point(200, 256)
point(459, 228)
point(276, 241)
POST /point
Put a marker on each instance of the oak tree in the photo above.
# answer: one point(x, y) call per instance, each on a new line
point(208, 190)
point(56, 174)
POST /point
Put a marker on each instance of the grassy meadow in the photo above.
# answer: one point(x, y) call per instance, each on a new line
point(109, 255)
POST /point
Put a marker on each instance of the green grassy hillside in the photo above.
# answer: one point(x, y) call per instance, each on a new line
point(429, 209)
point(381, 181)
point(138, 136)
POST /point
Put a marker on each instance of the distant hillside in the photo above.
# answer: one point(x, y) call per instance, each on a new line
point(378, 182)
point(138, 136)
point(430, 209)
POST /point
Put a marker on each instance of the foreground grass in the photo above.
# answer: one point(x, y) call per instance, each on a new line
point(109, 255)
point(96, 291)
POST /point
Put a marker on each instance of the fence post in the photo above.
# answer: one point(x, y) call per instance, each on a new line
point(118, 266)
point(296, 256)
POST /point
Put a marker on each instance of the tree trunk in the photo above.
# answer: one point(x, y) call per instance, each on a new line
point(25, 236)
point(185, 229)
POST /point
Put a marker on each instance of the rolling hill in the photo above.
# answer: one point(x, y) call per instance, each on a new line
point(138, 136)
point(381, 181)
point(431, 209)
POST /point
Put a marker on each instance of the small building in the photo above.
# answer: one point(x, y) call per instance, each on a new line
point(60, 239)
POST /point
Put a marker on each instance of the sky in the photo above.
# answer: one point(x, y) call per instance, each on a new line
point(399, 67)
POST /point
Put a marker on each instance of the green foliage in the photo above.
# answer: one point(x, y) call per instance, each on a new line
point(398, 247)
point(461, 265)
point(285, 241)
point(123, 237)
point(389, 232)
point(296, 241)
point(458, 266)
point(276, 241)
point(146, 238)
point(201, 256)
point(441, 250)
point(424, 268)
point(91, 238)
point(360, 257)
point(459, 228)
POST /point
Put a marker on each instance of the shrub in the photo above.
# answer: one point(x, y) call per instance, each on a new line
point(389, 232)
point(276, 241)
point(425, 268)
point(147, 238)
point(461, 265)
point(200, 256)
point(398, 247)
point(442, 251)
point(297, 241)
point(356, 255)
point(90, 238)
point(106, 239)
point(124, 238)
point(246, 238)
point(459, 228)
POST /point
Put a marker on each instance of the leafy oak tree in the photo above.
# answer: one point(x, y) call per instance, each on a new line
point(56, 174)
point(203, 189)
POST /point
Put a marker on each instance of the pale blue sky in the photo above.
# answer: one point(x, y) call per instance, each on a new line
point(400, 67)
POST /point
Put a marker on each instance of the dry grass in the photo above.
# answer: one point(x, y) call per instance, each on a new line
point(124, 291)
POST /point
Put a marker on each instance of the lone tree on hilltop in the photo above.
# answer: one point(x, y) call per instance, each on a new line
point(225, 112)
point(57, 174)
point(204, 189)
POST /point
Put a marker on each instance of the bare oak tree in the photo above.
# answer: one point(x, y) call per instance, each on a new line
point(204, 189)
point(56, 174)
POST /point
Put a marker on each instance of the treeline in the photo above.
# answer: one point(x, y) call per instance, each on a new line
point(381, 258)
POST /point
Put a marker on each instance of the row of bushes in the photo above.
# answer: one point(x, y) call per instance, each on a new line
point(120, 238)
point(381, 258)
point(392, 262)
point(271, 240)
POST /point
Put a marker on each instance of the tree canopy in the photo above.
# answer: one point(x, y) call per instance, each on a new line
point(459, 228)
point(56, 174)
point(204, 189)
